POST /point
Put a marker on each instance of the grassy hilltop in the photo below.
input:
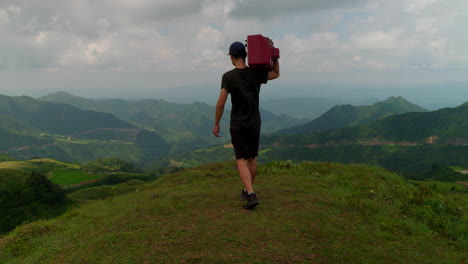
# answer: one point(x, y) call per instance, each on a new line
point(308, 213)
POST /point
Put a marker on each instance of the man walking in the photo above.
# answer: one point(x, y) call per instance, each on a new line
point(243, 84)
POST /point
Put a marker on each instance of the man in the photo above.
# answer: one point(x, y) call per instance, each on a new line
point(243, 83)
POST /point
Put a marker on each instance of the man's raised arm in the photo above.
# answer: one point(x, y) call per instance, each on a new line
point(275, 72)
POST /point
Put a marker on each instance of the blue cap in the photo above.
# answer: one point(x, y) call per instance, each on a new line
point(237, 49)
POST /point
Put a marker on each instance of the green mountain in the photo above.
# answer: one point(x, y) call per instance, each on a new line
point(30, 127)
point(185, 124)
point(308, 108)
point(57, 118)
point(408, 143)
point(448, 124)
point(348, 116)
point(308, 213)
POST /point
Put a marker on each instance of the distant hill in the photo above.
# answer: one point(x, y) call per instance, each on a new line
point(325, 213)
point(348, 116)
point(57, 118)
point(190, 124)
point(30, 128)
point(446, 124)
point(308, 108)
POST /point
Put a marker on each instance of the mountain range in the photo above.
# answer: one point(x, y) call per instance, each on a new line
point(188, 124)
point(348, 115)
point(408, 143)
point(71, 128)
point(445, 125)
point(300, 107)
point(146, 131)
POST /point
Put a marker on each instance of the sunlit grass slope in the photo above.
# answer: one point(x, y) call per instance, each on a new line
point(105, 191)
point(57, 163)
point(308, 213)
point(43, 165)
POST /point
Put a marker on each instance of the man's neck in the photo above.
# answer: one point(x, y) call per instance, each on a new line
point(240, 64)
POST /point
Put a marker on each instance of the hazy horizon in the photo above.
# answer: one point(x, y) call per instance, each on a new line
point(431, 97)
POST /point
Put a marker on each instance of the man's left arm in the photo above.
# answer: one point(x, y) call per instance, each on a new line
point(223, 95)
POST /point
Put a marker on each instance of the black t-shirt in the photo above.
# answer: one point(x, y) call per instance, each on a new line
point(244, 87)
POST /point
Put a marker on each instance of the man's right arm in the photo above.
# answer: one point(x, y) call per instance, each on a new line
point(223, 95)
point(275, 72)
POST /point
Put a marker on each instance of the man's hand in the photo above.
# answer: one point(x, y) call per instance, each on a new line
point(216, 131)
point(275, 72)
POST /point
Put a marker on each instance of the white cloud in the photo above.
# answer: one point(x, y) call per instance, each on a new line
point(268, 9)
point(418, 6)
point(100, 53)
point(379, 40)
point(182, 37)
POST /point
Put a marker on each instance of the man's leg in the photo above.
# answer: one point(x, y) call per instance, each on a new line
point(252, 163)
point(244, 172)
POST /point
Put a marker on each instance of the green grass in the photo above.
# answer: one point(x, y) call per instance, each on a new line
point(11, 177)
point(457, 168)
point(56, 163)
point(4, 157)
point(42, 165)
point(69, 177)
point(20, 165)
point(105, 191)
point(443, 187)
point(308, 213)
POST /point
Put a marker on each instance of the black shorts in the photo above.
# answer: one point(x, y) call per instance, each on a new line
point(246, 140)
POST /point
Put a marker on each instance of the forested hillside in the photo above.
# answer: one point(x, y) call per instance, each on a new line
point(33, 128)
point(447, 125)
point(308, 108)
point(57, 118)
point(348, 116)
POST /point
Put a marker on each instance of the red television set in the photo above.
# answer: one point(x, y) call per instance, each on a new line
point(260, 52)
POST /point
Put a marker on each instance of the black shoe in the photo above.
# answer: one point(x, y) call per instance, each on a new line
point(251, 201)
point(244, 195)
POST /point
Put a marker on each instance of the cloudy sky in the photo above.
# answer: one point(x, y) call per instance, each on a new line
point(132, 47)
